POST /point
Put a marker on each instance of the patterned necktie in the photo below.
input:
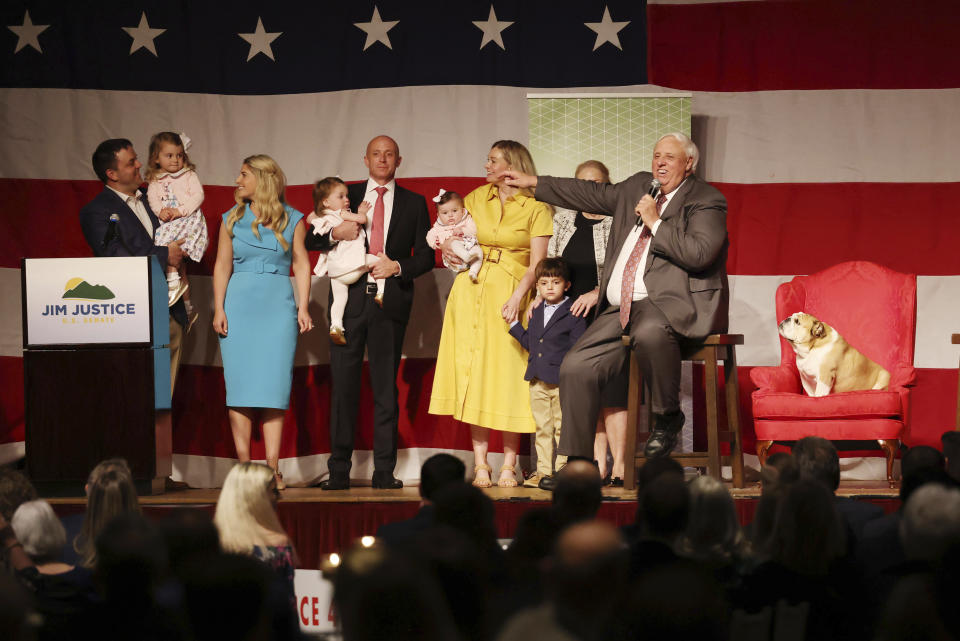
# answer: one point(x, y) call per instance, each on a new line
point(630, 270)
point(376, 230)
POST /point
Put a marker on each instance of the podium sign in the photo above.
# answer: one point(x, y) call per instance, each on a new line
point(96, 369)
point(83, 301)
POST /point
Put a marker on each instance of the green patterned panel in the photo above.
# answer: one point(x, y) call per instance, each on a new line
point(618, 131)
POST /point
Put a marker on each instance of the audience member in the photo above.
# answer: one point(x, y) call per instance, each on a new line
point(247, 520)
point(533, 541)
point(191, 538)
point(62, 592)
point(110, 493)
point(880, 549)
point(923, 603)
point(131, 566)
point(950, 441)
point(379, 594)
point(776, 475)
point(15, 489)
point(588, 555)
point(806, 563)
point(817, 459)
point(676, 601)
point(713, 537)
point(578, 492)
point(663, 508)
point(438, 471)
point(463, 577)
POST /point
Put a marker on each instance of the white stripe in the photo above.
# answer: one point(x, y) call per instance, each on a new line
point(209, 471)
point(752, 313)
point(745, 137)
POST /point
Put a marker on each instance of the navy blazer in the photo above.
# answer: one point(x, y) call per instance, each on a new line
point(548, 345)
point(131, 239)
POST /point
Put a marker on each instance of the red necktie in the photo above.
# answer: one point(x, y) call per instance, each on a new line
point(630, 270)
point(376, 230)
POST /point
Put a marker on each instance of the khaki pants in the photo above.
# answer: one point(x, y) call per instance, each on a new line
point(176, 342)
point(545, 405)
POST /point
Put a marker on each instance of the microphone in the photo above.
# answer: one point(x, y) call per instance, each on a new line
point(653, 192)
point(111, 232)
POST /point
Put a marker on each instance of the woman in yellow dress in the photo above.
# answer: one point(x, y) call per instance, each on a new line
point(480, 367)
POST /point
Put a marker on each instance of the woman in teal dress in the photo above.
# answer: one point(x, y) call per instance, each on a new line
point(259, 238)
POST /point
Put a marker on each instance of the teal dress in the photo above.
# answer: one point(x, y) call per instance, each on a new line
point(261, 313)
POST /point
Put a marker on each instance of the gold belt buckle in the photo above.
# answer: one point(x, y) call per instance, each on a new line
point(490, 255)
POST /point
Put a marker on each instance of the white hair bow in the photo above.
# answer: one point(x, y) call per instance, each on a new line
point(186, 141)
point(437, 198)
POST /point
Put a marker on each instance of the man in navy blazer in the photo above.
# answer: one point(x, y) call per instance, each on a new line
point(550, 334)
point(131, 231)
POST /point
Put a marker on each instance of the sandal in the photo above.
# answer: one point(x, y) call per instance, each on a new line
point(511, 482)
point(479, 482)
point(278, 477)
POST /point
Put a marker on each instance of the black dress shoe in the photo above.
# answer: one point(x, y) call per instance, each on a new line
point(548, 483)
point(385, 481)
point(665, 434)
point(616, 482)
point(335, 483)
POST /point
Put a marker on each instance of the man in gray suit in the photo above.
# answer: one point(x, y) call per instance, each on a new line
point(666, 288)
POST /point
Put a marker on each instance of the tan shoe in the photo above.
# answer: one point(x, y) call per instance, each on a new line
point(378, 299)
point(534, 480)
point(479, 482)
point(507, 482)
point(278, 477)
point(337, 336)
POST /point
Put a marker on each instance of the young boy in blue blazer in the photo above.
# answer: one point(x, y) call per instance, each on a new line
point(550, 334)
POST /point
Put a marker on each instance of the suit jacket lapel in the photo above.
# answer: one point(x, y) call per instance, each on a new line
point(562, 311)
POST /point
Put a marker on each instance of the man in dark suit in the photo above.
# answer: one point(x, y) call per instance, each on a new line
point(438, 471)
point(666, 286)
point(131, 233)
point(397, 226)
point(550, 334)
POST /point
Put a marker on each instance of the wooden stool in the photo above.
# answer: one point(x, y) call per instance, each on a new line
point(956, 341)
point(714, 348)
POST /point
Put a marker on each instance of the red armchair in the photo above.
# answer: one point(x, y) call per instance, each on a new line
point(875, 310)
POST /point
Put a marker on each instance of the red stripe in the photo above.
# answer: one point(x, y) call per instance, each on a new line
point(200, 417)
point(822, 44)
point(787, 228)
point(47, 226)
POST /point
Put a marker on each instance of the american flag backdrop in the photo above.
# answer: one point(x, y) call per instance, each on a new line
point(831, 127)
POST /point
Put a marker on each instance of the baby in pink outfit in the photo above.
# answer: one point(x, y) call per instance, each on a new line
point(454, 221)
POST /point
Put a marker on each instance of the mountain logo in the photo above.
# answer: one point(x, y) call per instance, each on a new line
point(77, 288)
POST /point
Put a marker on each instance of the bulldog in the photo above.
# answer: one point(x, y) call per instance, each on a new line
point(827, 363)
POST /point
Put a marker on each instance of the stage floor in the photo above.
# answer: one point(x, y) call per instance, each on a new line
point(321, 522)
point(362, 494)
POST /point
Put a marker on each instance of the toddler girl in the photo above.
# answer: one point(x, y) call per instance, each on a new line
point(453, 220)
point(175, 193)
point(348, 260)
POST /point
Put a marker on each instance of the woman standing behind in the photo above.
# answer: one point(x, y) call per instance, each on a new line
point(581, 239)
point(259, 238)
point(480, 367)
point(247, 520)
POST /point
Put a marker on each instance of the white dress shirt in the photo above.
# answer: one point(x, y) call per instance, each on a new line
point(548, 310)
point(616, 276)
point(136, 204)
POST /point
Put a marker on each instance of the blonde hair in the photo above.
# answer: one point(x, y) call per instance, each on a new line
point(244, 509)
point(110, 493)
point(594, 164)
point(268, 199)
point(517, 157)
point(153, 162)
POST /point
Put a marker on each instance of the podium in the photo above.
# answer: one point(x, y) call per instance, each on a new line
point(96, 370)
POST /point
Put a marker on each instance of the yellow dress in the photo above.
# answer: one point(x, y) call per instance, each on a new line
point(480, 367)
